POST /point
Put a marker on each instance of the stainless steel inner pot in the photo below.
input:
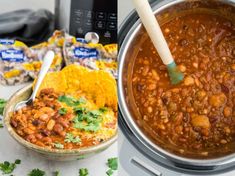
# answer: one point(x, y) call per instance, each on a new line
point(164, 11)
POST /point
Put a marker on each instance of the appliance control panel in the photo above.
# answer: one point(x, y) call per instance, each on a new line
point(99, 16)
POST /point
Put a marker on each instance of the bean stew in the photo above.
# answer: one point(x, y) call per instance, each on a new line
point(62, 121)
point(196, 117)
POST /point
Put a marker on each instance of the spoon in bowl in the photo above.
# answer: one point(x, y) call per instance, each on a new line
point(155, 33)
point(47, 60)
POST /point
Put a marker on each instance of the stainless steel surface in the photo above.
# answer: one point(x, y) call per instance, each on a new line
point(47, 60)
point(62, 11)
point(124, 65)
point(92, 37)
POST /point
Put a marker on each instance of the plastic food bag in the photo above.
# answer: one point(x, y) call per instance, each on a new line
point(93, 56)
point(13, 54)
point(54, 43)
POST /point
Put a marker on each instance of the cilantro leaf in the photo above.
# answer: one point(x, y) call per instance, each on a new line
point(2, 105)
point(37, 172)
point(70, 101)
point(113, 163)
point(57, 173)
point(71, 138)
point(93, 127)
point(7, 167)
point(62, 111)
point(58, 145)
point(79, 110)
point(88, 120)
point(109, 172)
point(18, 161)
point(83, 172)
point(103, 109)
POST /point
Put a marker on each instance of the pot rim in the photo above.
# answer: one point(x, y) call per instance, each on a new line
point(124, 108)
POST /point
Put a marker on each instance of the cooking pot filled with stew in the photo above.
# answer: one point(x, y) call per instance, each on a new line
point(192, 123)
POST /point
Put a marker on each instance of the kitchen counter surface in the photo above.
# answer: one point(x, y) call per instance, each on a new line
point(10, 150)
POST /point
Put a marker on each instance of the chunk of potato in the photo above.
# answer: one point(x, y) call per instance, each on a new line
point(200, 121)
point(218, 100)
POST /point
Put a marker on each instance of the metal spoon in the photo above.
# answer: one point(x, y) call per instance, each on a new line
point(47, 60)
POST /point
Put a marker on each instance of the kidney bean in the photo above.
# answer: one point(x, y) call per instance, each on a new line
point(45, 132)
point(58, 128)
point(47, 140)
point(31, 138)
point(224, 88)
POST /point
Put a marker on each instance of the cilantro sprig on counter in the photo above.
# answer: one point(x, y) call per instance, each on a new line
point(7, 167)
point(113, 165)
point(71, 138)
point(70, 101)
point(57, 173)
point(83, 172)
point(37, 172)
point(2, 105)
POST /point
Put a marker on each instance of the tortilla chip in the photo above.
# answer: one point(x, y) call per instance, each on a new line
point(100, 86)
point(55, 80)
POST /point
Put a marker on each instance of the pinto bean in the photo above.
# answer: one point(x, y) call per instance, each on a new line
point(50, 124)
point(227, 111)
point(28, 131)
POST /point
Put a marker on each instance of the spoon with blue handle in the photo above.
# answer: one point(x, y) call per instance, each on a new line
point(155, 33)
point(47, 60)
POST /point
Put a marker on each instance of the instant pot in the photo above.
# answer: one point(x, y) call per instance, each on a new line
point(78, 17)
point(153, 154)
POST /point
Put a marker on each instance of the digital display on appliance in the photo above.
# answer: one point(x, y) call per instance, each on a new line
point(98, 16)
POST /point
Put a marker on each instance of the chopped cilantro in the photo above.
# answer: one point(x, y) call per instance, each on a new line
point(83, 172)
point(79, 110)
point(18, 161)
point(95, 113)
point(113, 163)
point(104, 109)
point(58, 145)
point(93, 127)
point(88, 120)
point(109, 172)
point(7, 167)
point(70, 101)
point(36, 172)
point(2, 105)
point(71, 138)
point(62, 111)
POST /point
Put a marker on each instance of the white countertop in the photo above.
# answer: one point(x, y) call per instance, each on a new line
point(10, 150)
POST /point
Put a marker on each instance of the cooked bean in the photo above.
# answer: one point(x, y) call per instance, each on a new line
point(227, 111)
point(188, 81)
point(58, 128)
point(152, 86)
point(28, 131)
point(50, 124)
point(182, 68)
